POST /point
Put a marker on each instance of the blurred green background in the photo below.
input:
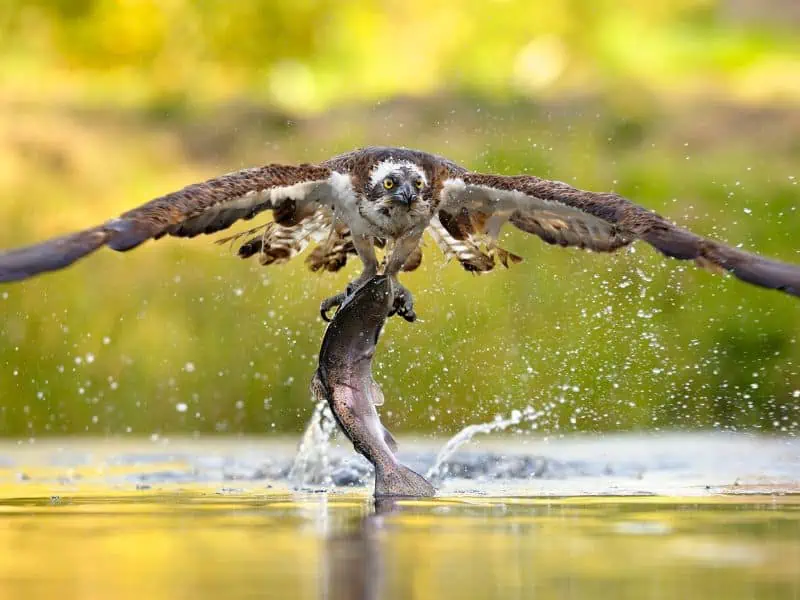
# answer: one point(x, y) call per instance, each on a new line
point(691, 107)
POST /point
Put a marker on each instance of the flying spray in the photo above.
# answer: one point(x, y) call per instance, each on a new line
point(344, 379)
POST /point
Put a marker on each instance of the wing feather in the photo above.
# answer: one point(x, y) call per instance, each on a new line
point(199, 208)
point(564, 230)
point(51, 255)
point(331, 254)
point(281, 243)
point(464, 250)
point(564, 215)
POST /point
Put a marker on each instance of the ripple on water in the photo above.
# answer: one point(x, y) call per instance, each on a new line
point(672, 465)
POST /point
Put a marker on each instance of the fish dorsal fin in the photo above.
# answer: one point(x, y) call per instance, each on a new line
point(375, 393)
point(389, 439)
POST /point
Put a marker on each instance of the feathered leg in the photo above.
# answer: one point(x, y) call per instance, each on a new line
point(365, 248)
point(404, 247)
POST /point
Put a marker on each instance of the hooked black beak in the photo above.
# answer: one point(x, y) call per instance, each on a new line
point(406, 194)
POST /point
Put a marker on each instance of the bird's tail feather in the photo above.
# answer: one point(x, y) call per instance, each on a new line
point(331, 255)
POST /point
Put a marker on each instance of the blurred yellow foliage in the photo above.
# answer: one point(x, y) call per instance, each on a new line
point(307, 55)
point(686, 106)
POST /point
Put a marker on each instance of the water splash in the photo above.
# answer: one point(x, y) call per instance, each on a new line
point(311, 466)
point(466, 434)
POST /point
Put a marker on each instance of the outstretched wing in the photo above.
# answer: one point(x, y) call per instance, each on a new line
point(294, 192)
point(561, 214)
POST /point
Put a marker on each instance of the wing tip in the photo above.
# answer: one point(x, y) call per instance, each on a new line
point(51, 255)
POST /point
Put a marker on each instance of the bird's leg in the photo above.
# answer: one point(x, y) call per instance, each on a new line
point(403, 300)
point(365, 247)
point(329, 303)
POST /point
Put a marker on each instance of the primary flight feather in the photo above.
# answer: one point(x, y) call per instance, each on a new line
point(388, 197)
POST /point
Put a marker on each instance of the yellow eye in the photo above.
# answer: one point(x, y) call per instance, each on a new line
point(388, 183)
point(420, 184)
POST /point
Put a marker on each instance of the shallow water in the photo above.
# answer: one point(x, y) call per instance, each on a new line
point(628, 517)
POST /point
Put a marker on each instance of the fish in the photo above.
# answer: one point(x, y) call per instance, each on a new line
point(344, 379)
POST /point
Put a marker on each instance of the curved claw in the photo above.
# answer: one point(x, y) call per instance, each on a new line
point(407, 313)
point(409, 316)
point(328, 304)
point(403, 304)
point(404, 311)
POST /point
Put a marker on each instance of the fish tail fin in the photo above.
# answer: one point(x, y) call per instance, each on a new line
point(397, 480)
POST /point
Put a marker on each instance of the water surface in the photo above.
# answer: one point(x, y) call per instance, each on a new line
point(92, 519)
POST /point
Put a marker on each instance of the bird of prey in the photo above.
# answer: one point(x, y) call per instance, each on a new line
point(387, 198)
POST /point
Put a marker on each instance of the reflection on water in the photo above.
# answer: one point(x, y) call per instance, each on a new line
point(680, 516)
point(196, 543)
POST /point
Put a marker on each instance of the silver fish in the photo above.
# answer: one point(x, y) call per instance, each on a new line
point(344, 379)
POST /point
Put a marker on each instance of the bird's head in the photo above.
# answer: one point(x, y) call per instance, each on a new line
point(396, 185)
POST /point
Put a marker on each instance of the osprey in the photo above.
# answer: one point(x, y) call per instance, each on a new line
point(387, 198)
